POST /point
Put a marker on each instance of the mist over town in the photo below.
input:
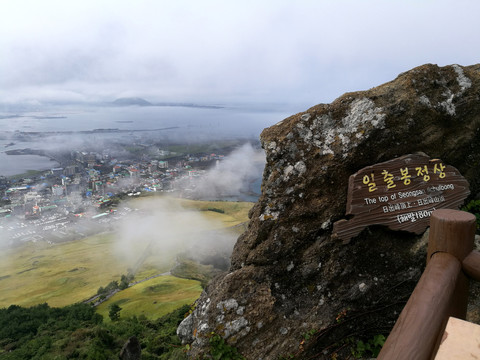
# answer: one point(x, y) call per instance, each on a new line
point(84, 193)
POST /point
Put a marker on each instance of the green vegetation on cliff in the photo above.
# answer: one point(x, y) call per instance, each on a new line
point(77, 331)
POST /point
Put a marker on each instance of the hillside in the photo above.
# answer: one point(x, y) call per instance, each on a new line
point(71, 272)
point(51, 282)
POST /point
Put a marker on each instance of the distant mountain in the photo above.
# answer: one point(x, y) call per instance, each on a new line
point(189, 105)
point(131, 101)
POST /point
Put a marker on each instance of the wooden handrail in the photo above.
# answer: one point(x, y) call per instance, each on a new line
point(471, 265)
point(442, 290)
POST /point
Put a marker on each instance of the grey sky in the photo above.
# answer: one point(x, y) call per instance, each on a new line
point(222, 51)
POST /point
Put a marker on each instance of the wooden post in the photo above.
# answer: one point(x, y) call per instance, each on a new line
point(441, 291)
point(417, 329)
point(451, 231)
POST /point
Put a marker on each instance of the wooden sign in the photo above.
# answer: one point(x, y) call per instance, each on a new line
point(402, 194)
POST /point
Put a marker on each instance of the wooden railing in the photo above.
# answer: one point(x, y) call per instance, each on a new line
point(442, 290)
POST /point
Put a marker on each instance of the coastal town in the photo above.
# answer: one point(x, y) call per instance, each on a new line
point(85, 195)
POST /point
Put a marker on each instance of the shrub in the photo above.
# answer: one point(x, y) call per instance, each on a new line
point(474, 208)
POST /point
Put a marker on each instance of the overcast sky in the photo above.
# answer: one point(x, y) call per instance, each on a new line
point(302, 52)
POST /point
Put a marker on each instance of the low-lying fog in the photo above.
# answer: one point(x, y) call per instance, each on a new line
point(156, 224)
point(164, 228)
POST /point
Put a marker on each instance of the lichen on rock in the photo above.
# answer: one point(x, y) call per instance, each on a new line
point(288, 274)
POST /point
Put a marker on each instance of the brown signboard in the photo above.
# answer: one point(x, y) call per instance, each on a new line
point(402, 194)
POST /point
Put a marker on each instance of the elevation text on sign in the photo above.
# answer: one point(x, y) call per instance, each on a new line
point(401, 193)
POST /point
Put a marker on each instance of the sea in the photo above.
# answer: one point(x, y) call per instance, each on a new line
point(67, 125)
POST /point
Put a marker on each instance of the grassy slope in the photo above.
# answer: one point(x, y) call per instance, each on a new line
point(60, 275)
point(234, 214)
point(153, 298)
point(67, 273)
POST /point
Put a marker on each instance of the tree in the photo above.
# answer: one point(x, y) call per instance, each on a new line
point(125, 280)
point(114, 312)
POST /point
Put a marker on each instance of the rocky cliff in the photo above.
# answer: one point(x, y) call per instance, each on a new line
point(293, 289)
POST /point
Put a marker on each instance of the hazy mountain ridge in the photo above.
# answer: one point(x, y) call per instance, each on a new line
point(137, 101)
point(34, 105)
point(129, 101)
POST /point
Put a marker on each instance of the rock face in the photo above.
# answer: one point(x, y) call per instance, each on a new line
point(289, 277)
point(131, 350)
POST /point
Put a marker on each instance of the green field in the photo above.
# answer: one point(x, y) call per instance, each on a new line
point(60, 274)
point(153, 298)
point(71, 272)
point(218, 146)
point(234, 214)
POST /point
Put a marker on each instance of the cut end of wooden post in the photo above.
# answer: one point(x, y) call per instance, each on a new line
point(451, 231)
point(451, 215)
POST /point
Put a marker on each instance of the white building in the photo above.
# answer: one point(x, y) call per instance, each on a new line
point(57, 190)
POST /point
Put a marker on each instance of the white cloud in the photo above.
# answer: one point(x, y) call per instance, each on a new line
point(307, 51)
point(164, 228)
point(232, 176)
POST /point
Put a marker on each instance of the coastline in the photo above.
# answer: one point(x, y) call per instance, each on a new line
point(25, 165)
